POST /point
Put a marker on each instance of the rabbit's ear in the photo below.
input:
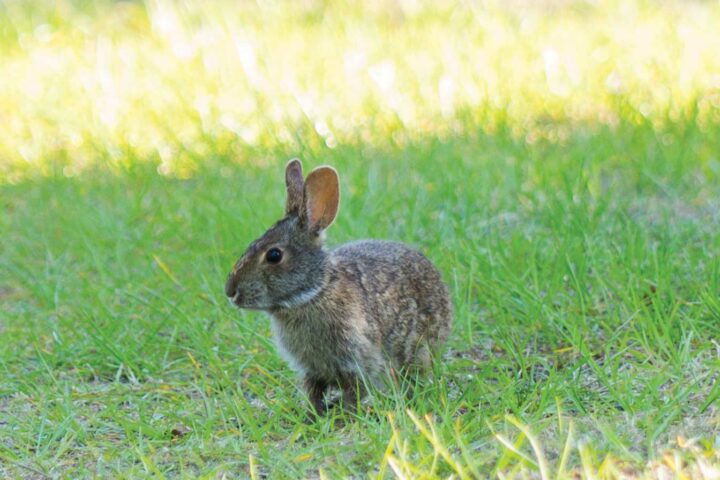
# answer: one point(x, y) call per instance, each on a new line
point(321, 197)
point(294, 183)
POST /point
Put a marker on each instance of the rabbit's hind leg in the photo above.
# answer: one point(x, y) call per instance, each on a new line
point(315, 388)
point(353, 389)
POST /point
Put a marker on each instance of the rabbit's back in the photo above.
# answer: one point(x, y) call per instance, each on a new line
point(406, 304)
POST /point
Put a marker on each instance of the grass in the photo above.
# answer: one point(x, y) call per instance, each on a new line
point(558, 163)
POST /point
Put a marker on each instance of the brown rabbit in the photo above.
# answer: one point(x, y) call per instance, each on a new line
point(343, 316)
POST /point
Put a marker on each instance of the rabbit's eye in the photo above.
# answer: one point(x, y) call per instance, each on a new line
point(274, 255)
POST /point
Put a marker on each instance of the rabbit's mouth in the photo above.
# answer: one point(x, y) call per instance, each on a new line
point(244, 301)
point(235, 299)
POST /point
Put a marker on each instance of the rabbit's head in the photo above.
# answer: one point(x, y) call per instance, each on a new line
point(285, 267)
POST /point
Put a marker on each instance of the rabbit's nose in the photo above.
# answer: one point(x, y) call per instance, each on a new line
point(230, 286)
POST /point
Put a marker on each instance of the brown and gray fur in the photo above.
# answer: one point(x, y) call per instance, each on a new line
point(345, 316)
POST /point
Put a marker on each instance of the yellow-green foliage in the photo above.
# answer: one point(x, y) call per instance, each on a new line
point(173, 81)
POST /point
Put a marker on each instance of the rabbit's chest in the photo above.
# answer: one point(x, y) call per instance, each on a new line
point(311, 347)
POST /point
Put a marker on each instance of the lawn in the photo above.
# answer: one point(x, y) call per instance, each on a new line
point(559, 161)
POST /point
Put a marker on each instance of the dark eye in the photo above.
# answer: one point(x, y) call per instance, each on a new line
point(274, 255)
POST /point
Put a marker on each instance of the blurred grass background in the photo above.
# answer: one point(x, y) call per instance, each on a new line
point(558, 160)
point(176, 82)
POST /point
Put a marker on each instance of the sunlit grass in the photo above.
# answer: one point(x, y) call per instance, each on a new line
point(87, 83)
point(558, 161)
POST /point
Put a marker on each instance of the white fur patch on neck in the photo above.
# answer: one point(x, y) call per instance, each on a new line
point(279, 337)
point(301, 298)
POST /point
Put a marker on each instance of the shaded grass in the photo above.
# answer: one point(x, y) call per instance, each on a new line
point(600, 304)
